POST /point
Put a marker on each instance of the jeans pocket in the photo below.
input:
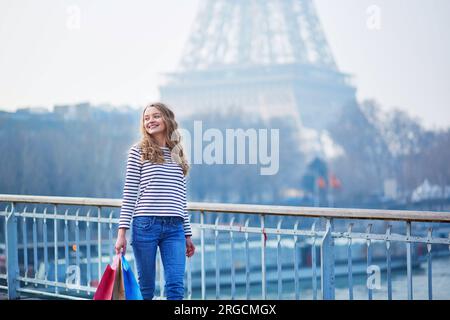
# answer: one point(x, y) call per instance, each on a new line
point(143, 223)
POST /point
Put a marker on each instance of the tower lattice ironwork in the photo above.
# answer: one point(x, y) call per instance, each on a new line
point(265, 56)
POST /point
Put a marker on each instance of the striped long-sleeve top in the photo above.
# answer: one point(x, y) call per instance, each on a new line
point(153, 189)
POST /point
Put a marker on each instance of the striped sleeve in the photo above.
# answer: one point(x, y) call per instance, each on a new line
point(187, 223)
point(130, 190)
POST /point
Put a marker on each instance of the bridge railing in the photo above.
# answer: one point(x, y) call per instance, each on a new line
point(59, 246)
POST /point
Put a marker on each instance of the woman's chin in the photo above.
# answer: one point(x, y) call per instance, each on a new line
point(154, 132)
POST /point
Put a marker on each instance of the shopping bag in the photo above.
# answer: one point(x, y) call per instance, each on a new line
point(132, 290)
point(119, 289)
point(106, 286)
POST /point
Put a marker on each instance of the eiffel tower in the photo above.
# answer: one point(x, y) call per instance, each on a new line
point(264, 56)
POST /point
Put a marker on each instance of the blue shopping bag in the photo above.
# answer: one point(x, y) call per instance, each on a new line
point(132, 290)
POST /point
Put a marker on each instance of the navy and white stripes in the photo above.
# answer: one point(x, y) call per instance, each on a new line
point(153, 189)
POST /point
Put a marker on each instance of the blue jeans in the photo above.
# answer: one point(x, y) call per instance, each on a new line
point(149, 232)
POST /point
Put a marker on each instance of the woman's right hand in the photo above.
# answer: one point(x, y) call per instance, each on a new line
point(121, 242)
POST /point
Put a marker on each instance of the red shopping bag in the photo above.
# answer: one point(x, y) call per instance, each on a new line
point(106, 286)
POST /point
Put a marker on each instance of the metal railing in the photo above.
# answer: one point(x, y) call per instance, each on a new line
point(44, 237)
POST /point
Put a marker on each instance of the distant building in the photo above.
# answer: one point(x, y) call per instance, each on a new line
point(34, 110)
point(79, 111)
point(428, 191)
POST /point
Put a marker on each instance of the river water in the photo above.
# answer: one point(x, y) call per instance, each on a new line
point(441, 286)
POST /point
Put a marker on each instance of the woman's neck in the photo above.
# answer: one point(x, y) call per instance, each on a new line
point(160, 141)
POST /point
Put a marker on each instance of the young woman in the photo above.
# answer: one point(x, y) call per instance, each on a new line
point(154, 203)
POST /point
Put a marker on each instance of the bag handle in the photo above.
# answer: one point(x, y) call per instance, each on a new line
point(116, 261)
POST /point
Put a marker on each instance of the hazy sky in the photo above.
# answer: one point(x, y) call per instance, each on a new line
point(120, 49)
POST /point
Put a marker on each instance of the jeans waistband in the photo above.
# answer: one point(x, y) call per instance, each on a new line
point(167, 219)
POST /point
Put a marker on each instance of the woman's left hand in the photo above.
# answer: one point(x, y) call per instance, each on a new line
point(190, 248)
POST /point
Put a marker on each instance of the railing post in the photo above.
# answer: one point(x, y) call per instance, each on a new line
point(369, 258)
point(202, 256)
point(12, 255)
point(409, 261)
point(327, 263)
point(263, 259)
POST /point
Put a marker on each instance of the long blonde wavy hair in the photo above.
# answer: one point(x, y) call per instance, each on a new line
point(149, 146)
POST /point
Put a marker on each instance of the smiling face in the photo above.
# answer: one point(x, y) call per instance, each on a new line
point(153, 122)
